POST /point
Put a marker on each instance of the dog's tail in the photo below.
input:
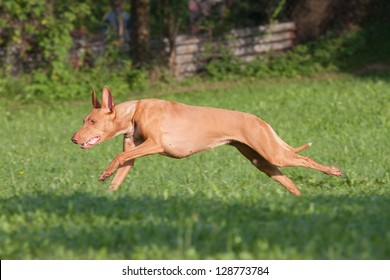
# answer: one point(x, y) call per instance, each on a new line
point(301, 148)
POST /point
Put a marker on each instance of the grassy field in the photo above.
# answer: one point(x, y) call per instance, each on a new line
point(213, 205)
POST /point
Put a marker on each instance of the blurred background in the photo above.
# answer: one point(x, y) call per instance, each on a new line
point(56, 49)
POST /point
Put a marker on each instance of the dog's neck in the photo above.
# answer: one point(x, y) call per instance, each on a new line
point(124, 112)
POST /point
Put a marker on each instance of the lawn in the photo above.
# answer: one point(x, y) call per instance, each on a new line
point(213, 205)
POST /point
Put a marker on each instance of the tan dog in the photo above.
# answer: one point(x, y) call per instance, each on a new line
point(152, 126)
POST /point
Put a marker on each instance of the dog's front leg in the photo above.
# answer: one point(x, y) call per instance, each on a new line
point(124, 169)
point(149, 147)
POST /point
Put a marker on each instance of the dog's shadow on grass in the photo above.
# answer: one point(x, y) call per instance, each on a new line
point(149, 227)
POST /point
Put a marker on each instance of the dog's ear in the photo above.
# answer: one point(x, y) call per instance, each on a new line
point(95, 101)
point(108, 101)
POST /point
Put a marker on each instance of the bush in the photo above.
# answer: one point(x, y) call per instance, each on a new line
point(37, 33)
point(62, 81)
point(331, 52)
point(71, 84)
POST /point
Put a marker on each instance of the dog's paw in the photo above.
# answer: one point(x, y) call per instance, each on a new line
point(333, 170)
point(105, 175)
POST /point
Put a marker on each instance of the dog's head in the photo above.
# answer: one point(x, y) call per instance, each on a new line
point(99, 124)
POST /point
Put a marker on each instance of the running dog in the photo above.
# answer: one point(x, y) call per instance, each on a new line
point(153, 126)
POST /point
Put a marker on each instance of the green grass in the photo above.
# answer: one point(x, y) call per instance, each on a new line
point(214, 205)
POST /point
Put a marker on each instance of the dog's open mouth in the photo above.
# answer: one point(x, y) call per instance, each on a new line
point(90, 143)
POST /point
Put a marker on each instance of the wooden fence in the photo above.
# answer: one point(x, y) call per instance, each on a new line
point(191, 53)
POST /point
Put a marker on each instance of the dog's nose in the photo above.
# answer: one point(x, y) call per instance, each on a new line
point(74, 139)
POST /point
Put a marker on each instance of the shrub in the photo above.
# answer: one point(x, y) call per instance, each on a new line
point(331, 52)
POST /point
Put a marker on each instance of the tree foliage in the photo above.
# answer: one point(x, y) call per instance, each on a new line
point(36, 37)
point(37, 32)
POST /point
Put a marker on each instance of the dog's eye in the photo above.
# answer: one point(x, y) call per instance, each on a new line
point(93, 121)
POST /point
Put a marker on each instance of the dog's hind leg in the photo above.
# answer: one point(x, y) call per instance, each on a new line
point(297, 160)
point(275, 151)
point(284, 157)
point(263, 165)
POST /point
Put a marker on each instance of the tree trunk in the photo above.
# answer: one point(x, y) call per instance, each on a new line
point(314, 17)
point(311, 16)
point(140, 31)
